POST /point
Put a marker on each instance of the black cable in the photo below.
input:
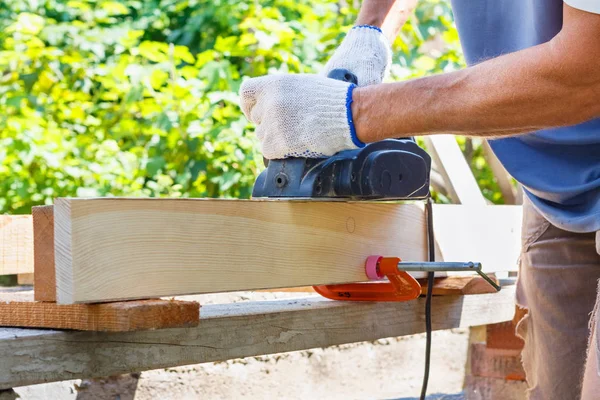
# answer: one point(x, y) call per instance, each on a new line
point(430, 277)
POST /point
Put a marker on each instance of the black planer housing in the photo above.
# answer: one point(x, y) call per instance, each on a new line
point(392, 169)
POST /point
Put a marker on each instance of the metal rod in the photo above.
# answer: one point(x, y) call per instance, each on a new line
point(410, 266)
point(489, 280)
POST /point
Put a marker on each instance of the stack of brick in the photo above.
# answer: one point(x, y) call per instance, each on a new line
point(495, 366)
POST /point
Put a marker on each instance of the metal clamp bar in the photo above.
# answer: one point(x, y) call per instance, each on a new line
point(410, 266)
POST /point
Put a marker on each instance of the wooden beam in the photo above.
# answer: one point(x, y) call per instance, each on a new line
point(488, 234)
point(18, 310)
point(16, 244)
point(459, 285)
point(462, 186)
point(115, 249)
point(229, 331)
point(43, 253)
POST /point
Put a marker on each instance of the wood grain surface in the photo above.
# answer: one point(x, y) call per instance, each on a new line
point(115, 249)
point(43, 253)
point(18, 310)
point(16, 244)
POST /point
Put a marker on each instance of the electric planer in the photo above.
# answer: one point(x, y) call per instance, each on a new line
point(392, 169)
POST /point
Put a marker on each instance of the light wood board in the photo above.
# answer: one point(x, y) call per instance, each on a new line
point(43, 253)
point(16, 244)
point(448, 157)
point(115, 249)
point(18, 310)
point(234, 330)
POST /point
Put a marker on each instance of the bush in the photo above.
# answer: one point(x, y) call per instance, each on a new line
point(139, 98)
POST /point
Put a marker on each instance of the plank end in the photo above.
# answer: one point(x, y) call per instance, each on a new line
point(63, 246)
point(44, 278)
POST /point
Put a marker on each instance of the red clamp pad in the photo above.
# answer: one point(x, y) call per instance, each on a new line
point(401, 285)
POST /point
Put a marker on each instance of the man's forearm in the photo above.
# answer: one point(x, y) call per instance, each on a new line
point(551, 85)
point(389, 15)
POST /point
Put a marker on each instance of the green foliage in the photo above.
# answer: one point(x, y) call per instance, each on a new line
point(139, 97)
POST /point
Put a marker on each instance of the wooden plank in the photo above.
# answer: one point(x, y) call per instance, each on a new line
point(18, 310)
point(459, 285)
point(462, 186)
point(115, 249)
point(451, 285)
point(16, 244)
point(25, 279)
point(43, 253)
point(229, 331)
point(488, 234)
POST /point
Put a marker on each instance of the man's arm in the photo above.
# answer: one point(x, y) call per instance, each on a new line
point(550, 85)
point(389, 15)
point(366, 50)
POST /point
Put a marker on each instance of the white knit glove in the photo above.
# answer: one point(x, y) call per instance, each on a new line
point(365, 52)
point(300, 115)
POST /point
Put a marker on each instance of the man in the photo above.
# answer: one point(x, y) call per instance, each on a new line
point(533, 87)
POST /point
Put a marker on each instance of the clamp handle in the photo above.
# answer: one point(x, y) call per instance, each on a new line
point(401, 285)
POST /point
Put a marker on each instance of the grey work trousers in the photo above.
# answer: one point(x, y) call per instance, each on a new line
point(558, 284)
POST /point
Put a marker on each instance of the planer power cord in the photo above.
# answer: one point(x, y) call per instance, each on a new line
point(430, 277)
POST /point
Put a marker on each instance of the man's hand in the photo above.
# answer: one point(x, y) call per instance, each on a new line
point(365, 52)
point(300, 115)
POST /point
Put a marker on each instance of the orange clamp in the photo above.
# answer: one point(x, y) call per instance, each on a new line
point(401, 285)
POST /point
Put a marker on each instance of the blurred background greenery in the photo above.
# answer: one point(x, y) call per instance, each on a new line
point(139, 97)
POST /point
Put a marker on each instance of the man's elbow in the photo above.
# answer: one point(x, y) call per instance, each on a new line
point(576, 72)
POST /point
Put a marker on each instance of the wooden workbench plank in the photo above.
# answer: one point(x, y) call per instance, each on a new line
point(115, 249)
point(234, 330)
point(18, 310)
point(16, 244)
point(43, 253)
point(487, 234)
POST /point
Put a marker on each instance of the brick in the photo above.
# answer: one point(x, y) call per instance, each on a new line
point(502, 336)
point(484, 388)
point(496, 363)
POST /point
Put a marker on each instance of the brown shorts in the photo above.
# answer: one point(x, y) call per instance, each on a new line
point(558, 284)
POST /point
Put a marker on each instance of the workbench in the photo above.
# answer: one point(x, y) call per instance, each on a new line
point(227, 331)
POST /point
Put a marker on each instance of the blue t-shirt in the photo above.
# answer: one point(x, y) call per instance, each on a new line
point(559, 168)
